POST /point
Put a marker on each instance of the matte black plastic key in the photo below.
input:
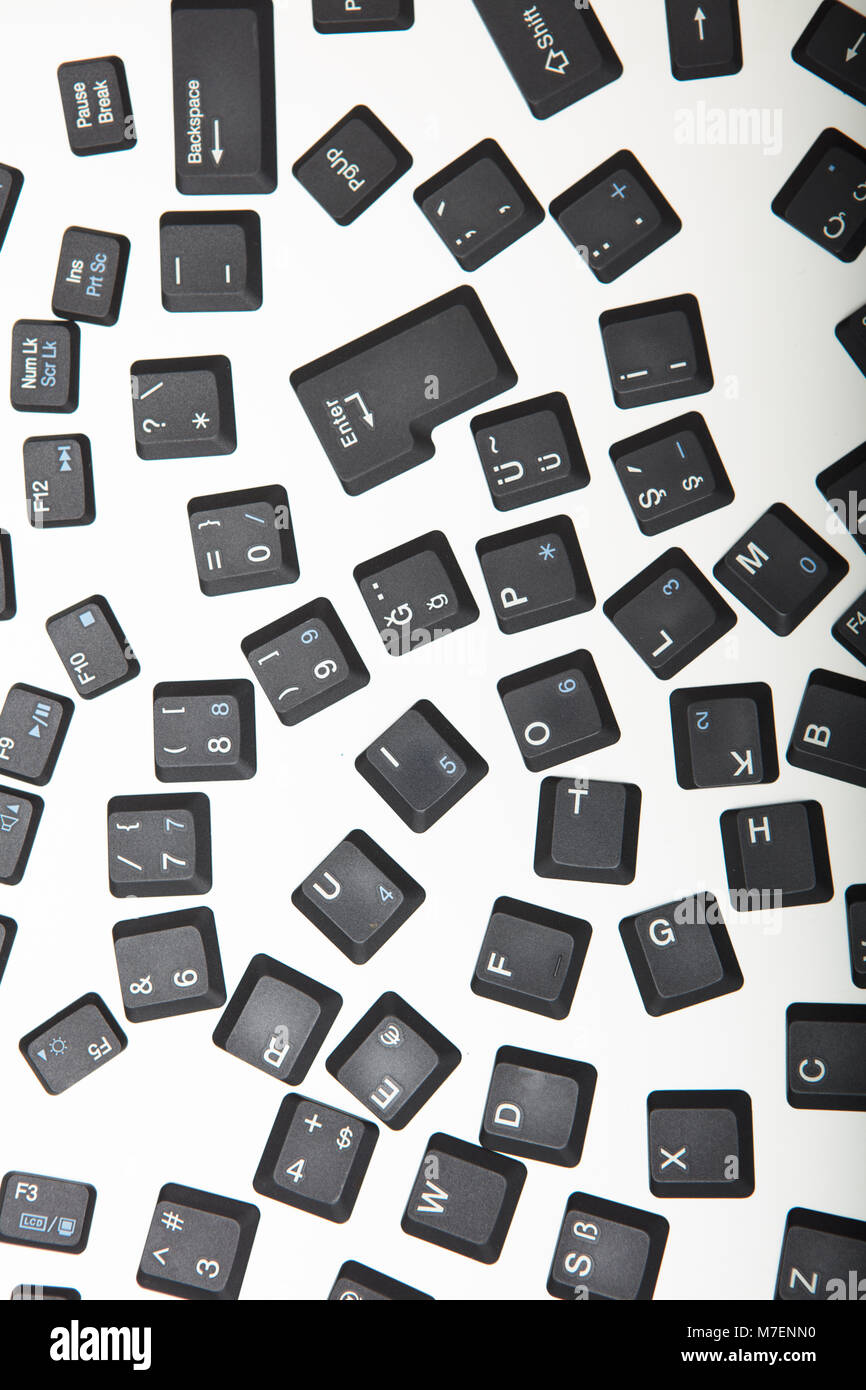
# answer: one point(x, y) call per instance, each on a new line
point(607, 1251)
point(183, 407)
point(843, 485)
point(90, 642)
point(305, 661)
point(825, 197)
point(357, 1283)
point(826, 1056)
point(20, 814)
point(587, 830)
point(8, 932)
point(96, 106)
point(316, 1158)
point(776, 856)
point(204, 731)
point(352, 165)
point(833, 46)
point(724, 735)
point(530, 451)
point(46, 1213)
point(829, 735)
point(479, 205)
point(704, 41)
point(421, 766)
point(159, 846)
point(535, 574)
point(656, 351)
point(700, 1144)
point(44, 1293)
point(210, 261)
point(58, 479)
point(277, 1019)
point(45, 361)
point(362, 17)
point(855, 911)
point(74, 1043)
point(8, 605)
point(671, 474)
point(243, 540)
point(558, 710)
point(615, 216)
point(91, 273)
point(681, 954)
point(538, 1106)
point(469, 1204)
point(169, 964)
point(781, 569)
point(531, 958)
point(669, 614)
point(198, 1245)
point(11, 183)
point(33, 726)
point(851, 333)
point(823, 1258)
point(416, 593)
point(850, 629)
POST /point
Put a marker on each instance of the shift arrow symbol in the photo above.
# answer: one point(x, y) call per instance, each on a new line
point(217, 152)
point(366, 415)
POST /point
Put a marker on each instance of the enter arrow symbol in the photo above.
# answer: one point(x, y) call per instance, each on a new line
point(366, 415)
point(217, 152)
point(700, 20)
point(855, 49)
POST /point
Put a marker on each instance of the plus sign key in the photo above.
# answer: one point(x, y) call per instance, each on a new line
point(315, 1158)
point(615, 216)
point(75, 1042)
point(183, 407)
point(89, 641)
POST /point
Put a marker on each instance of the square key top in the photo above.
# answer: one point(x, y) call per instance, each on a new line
point(538, 1106)
point(479, 205)
point(20, 814)
point(316, 1158)
point(780, 569)
point(776, 856)
point(33, 725)
point(90, 643)
point(825, 197)
point(416, 593)
point(46, 1213)
point(198, 1245)
point(90, 276)
point(656, 351)
point(361, 17)
point(700, 1144)
point(352, 165)
point(851, 333)
point(535, 574)
point(357, 1283)
point(823, 1257)
point(45, 365)
point(464, 1198)
point(558, 711)
point(530, 451)
point(277, 1019)
point(829, 735)
point(724, 735)
point(159, 846)
point(587, 830)
point(393, 1060)
point(358, 897)
point(8, 606)
point(210, 261)
point(169, 964)
point(96, 106)
point(704, 41)
point(832, 46)
point(531, 958)
point(850, 629)
point(421, 766)
point(183, 407)
point(671, 474)
point(607, 1251)
point(669, 614)
point(826, 1049)
point(44, 1293)
point(680, 954)
point(204, 731)
point(243, 540)
point(58, 479)
point(305, 661)
point(615, 216)
point(11, 183)
point(855, 907)
point(8, 932)
point(843, 485)
point(75, 1042)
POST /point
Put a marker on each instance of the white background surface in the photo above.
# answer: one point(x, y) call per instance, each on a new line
point(787, 403)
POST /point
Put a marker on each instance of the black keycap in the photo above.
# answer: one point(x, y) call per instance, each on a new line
point(358, 897)
point(776, 856)
point(210, 261)
point(159, 846)
point(826, 1052)
point(421, 766)
point(850, 629)
point(535, 574)
point(58, 479)
point(855, 910)
point(316, 1158)
point(554, 64)
point(669, 614)
point(704, 41)
point(780, 569)
point(305, 661)
point(90, 643)
point(45, 365)
point(43, 1293)
point(416, 593)
point(615, 216)
point(464, 1198)
point(656, 351)
point(46, 1213)
point(671, 474)
point(183, 407)
point(825, 197)
point(243, 540)
point(823, 1257)
point(538, 1106)
point(607, 1251)
point(479, 205)
point(225, 130)
point(393, 1060)
point(11, 183)
point(277, 1019)
point(198, 1244)
point(530, 451)
point(587, 830)
point(375, 402)
point(829, 735)
point(843, 485)
point(8, 932)
point(357, 1283)
point(352, 165)
point(700, 1144)
point(91, 273)
point(851, 333)
point(531, 958)
point(724, 735)
point(558, 710)
point(833, 46)
point(8, 606)
point(680, 954)
point(361, 17)
point(20, 814)
point(169, 964)
point(75, 1042)
point(204, 731)
point(96, 106)
point(33, 725)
